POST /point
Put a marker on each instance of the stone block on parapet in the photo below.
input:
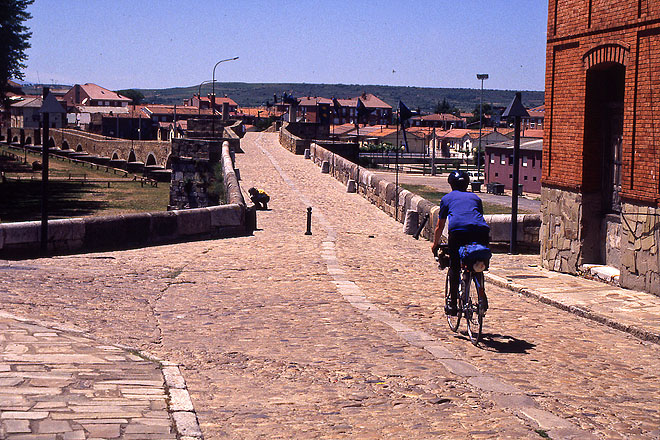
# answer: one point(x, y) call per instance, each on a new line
point(226, 215)
point(351, 186)
point(405, 197)
point(415, 202)
point(411, 222)
point(117, 230)
point(163, 226)
point(325, 167)
point(66, 234)
point(390, 193)
point(12, 234)
point(195, 221)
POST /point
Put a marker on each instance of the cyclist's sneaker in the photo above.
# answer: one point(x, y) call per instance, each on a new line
point(451, 310)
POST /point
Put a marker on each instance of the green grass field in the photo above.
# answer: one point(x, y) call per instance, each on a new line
point(75, 190)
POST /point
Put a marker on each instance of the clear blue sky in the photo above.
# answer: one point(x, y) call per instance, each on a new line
point(157, 44)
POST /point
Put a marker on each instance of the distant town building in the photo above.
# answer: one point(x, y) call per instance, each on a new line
point(499, 164)
point(601, 169)
point(204, 102)
point(92, 95)
point(441, 120)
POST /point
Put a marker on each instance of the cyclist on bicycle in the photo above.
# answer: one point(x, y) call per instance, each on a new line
point(465, 213)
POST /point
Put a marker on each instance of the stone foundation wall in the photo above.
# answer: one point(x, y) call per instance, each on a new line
point(640, 256)
point(192, 164)
point(561, 233)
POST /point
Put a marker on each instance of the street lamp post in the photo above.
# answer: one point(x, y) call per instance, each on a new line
point(516, 111)
point(213, 94)
point(482, 77)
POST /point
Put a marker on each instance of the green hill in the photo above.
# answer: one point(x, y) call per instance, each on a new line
point(256, 94)
point(424, 98)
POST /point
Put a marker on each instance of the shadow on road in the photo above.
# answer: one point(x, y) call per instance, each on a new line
point(505, 344)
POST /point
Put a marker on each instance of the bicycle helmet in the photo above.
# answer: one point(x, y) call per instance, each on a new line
point(459, 180)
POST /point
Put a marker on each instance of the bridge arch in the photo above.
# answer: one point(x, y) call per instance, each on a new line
point(79, 148)
point(151, 160)
point(14, 139)
point(115, 155)
point(28, 140)
point(51, 143)
point(131, 156)
point(168, 164)
point(65, 145)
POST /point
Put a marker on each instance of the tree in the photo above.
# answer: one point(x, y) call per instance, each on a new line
point(14, 36)
point(445, 107)
point(487, 109)
point(136, 96)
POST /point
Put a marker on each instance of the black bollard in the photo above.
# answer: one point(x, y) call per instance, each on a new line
point(309, 221)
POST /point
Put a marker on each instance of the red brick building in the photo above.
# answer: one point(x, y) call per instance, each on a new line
point(601, 157)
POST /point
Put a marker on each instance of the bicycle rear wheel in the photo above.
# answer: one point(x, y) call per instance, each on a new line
point(474, 319)
point(453, 321)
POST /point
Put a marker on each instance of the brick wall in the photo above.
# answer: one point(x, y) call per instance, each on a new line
point(583, 34)
point(602, 52)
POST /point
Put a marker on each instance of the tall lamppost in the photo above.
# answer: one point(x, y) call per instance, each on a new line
point(482, 77)
point(213, 94)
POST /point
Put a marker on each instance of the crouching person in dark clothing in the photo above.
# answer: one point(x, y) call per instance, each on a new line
point(259, 198)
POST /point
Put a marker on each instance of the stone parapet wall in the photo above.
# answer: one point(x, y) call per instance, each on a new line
point(233, 193)
point(561, 232)
point(396, 203)
point(640, 251)
point(23, 239)
point(292, 142)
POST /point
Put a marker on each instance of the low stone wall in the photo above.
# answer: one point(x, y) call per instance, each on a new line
point(292, 142)
point(385, 196)
point(23, 239)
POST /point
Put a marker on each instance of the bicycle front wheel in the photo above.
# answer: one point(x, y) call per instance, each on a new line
point(474, 319)
point(453, 321)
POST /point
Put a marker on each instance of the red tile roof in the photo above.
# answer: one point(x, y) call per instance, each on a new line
point(314, 100)
point(162, 109)
point(438, 117)
point(98, 93)
point(372, 101)
point(219, 100)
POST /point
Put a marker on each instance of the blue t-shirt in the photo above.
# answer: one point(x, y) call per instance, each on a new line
point(464, 211)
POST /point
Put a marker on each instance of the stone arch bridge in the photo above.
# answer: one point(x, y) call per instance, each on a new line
point(148, 153)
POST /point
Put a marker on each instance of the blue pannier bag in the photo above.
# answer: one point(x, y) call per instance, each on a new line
point(474, 252)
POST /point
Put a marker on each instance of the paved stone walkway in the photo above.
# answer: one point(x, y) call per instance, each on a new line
point(637, 313)
point(59, 384)
point(341, 334)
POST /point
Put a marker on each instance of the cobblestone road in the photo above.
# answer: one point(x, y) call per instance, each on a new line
point(341, 334)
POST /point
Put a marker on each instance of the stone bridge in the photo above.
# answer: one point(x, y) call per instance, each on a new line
point(150, 153)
